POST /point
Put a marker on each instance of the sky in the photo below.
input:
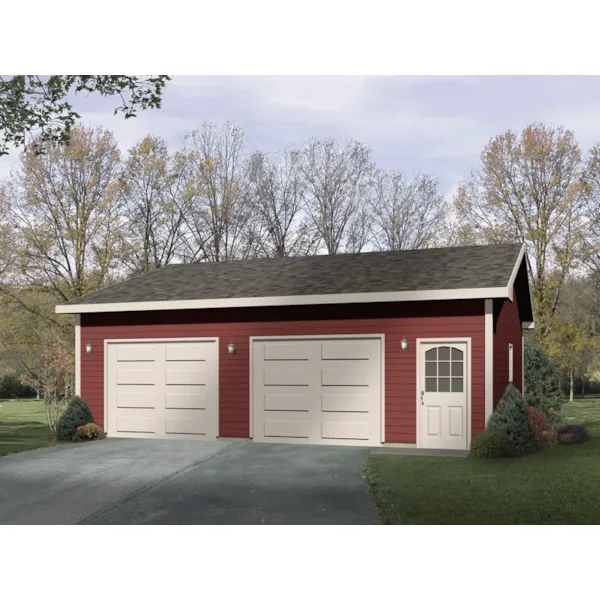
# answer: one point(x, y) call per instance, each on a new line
point(437, 125)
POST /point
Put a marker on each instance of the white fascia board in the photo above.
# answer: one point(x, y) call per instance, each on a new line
point(513, 276)
point(489, 359)
point(78, 355)
point(527, 325)
point(412, 296)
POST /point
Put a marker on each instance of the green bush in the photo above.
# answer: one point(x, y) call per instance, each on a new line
point(89, 431)
point(542, 383)
point(510, 418)
point(11, 387)
point(77, 413)
point(492, 444)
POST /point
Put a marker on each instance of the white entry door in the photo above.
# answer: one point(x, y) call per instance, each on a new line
point(443, 395)
point(317, 390)
point(157, 389)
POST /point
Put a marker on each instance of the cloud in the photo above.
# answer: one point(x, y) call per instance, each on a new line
point(583, 121)
point(130, 131)
point(438, 125)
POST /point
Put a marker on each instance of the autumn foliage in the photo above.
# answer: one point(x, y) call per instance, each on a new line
point(55, 377)
point(538, 421)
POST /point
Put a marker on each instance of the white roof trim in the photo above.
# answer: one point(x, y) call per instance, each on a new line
point(527, 325)
point(458, 294)
point(513, 276)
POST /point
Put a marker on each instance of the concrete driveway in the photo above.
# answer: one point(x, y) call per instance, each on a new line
point(119, 481)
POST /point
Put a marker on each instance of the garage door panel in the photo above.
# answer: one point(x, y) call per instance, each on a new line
point(287, 427)
point(137, 424)
point(343, 350)
point(348, 402)
point(334, 396)
point(345, 377)
point(186, 399)
point(188, 352)
point(286, 351)
point(136, 376)
point(186, 424)
point(287, 377)
point(186, 374)
point(175, 398)
point(136, 399)
point(287, 402)
point(136, 353)
point(346, 430)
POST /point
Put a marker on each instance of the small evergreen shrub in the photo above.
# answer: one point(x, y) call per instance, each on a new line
point(542, 382)
point(538, 422)
point(90, 431)
point(76, 413)
point(492, 444)
point(572, 434)
point(510, 418)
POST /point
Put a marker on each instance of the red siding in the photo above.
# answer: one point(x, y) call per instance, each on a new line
point(508, 331)
point(412, 320)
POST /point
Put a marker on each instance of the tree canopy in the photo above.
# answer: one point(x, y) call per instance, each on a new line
point(38, 108)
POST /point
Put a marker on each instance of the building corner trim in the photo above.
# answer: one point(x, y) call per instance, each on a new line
point(489, 359)
point(78, 355)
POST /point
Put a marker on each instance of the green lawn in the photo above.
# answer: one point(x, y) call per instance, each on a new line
point(23, 426)
point(560, 485)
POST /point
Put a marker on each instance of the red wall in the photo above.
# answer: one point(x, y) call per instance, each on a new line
point(508, 331)
point(412, 320)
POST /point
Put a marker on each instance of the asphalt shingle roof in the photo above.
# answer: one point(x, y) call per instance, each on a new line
point(408, 270)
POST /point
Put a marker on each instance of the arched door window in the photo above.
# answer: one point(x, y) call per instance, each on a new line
point(444, 369)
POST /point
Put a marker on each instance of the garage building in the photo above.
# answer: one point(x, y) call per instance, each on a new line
point(409, 348)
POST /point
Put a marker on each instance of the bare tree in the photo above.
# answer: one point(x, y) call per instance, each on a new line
point(24, 331)
point(7, 246)
point(220, 224)
point(279, 192)
point(530, 189)
point(591, 237)
point(154, 206)
point(63, 209)
point(56, 377)
point(338, 178)
point(407, 212)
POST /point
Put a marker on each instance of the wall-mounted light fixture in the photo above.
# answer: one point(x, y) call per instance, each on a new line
point(231, 348)
point(404, 344)
point(88, 348)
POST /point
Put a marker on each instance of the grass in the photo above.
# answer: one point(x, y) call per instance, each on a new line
point(560, 485)
point(23, 426)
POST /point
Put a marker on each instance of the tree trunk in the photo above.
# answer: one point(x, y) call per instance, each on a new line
point(571, 382)
point(583, 388)
point(55, 415)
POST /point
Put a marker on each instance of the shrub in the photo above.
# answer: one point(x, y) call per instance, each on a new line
point(492, 444)
point(90, 431)
point(572, 434)
point(510, 417)
point(11, 387)
point(542, 382)
point(76, 413)
point(549, 436)
point(538, 422)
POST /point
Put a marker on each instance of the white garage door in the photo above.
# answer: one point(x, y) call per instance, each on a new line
point(162, 389)
point(317, 391)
